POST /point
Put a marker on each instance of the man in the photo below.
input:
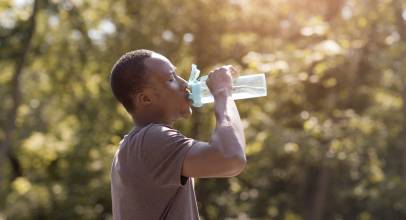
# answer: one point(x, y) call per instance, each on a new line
point(152, 171)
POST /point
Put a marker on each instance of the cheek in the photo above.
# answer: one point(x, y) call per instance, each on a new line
point(174, 86)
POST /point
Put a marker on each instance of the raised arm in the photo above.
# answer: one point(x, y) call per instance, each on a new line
point(224, 154)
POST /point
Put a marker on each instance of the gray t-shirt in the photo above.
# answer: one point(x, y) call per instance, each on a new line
point(146, 181)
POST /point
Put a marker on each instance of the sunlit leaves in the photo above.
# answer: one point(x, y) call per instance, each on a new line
point(335, 70)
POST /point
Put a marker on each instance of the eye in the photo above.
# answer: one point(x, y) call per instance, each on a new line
point(173, 77)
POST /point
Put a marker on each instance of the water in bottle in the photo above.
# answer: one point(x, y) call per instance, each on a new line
point(248, 86)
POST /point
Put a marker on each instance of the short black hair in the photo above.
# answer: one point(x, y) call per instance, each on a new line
point(128, 76)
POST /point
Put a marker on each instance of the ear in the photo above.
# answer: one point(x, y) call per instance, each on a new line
point(142, 99)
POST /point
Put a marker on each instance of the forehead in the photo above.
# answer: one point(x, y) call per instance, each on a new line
point(158, 66)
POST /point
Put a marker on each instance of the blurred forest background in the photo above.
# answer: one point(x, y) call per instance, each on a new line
point(328, 142)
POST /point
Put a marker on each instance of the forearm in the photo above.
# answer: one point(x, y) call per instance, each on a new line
point(228, 136)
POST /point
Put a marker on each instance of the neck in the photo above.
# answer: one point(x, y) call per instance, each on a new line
point(142, 120)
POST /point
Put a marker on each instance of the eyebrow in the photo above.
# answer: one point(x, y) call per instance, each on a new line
point(173, 74)
point(174, 71)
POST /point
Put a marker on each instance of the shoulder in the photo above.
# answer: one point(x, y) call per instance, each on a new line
point(159, 130)
point(160, 135)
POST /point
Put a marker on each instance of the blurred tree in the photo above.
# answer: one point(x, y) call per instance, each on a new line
point(326, 143)
point(10, 140)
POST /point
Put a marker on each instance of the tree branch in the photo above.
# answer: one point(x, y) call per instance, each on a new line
point(6, 149)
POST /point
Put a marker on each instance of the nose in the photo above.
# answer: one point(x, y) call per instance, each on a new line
point(183, 83)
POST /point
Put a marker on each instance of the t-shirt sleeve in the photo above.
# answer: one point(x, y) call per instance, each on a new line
point(163, 151)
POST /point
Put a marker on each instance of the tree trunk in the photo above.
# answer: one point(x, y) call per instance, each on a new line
point(334, 8)
point(6, 148)
point(319, 192)
point(403, 136)
point(398, 10)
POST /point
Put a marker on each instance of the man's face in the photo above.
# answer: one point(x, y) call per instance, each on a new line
point(169, 91)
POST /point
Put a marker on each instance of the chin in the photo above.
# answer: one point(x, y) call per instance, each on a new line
point(187, 112)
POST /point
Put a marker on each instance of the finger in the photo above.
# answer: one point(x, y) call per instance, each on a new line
point(210, 74)
point(234, 72)
point(236, 69)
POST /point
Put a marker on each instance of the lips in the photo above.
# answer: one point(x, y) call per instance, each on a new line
point(187, 96)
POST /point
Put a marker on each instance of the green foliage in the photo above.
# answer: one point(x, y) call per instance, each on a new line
point(326, 143)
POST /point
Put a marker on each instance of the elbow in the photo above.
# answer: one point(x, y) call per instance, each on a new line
point(238, 165)
point(242, 163)
point(232, 159)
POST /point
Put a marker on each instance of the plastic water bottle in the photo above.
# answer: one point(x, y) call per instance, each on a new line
point(244, 87)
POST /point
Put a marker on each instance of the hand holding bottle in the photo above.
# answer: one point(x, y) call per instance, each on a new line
point(220, 80)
